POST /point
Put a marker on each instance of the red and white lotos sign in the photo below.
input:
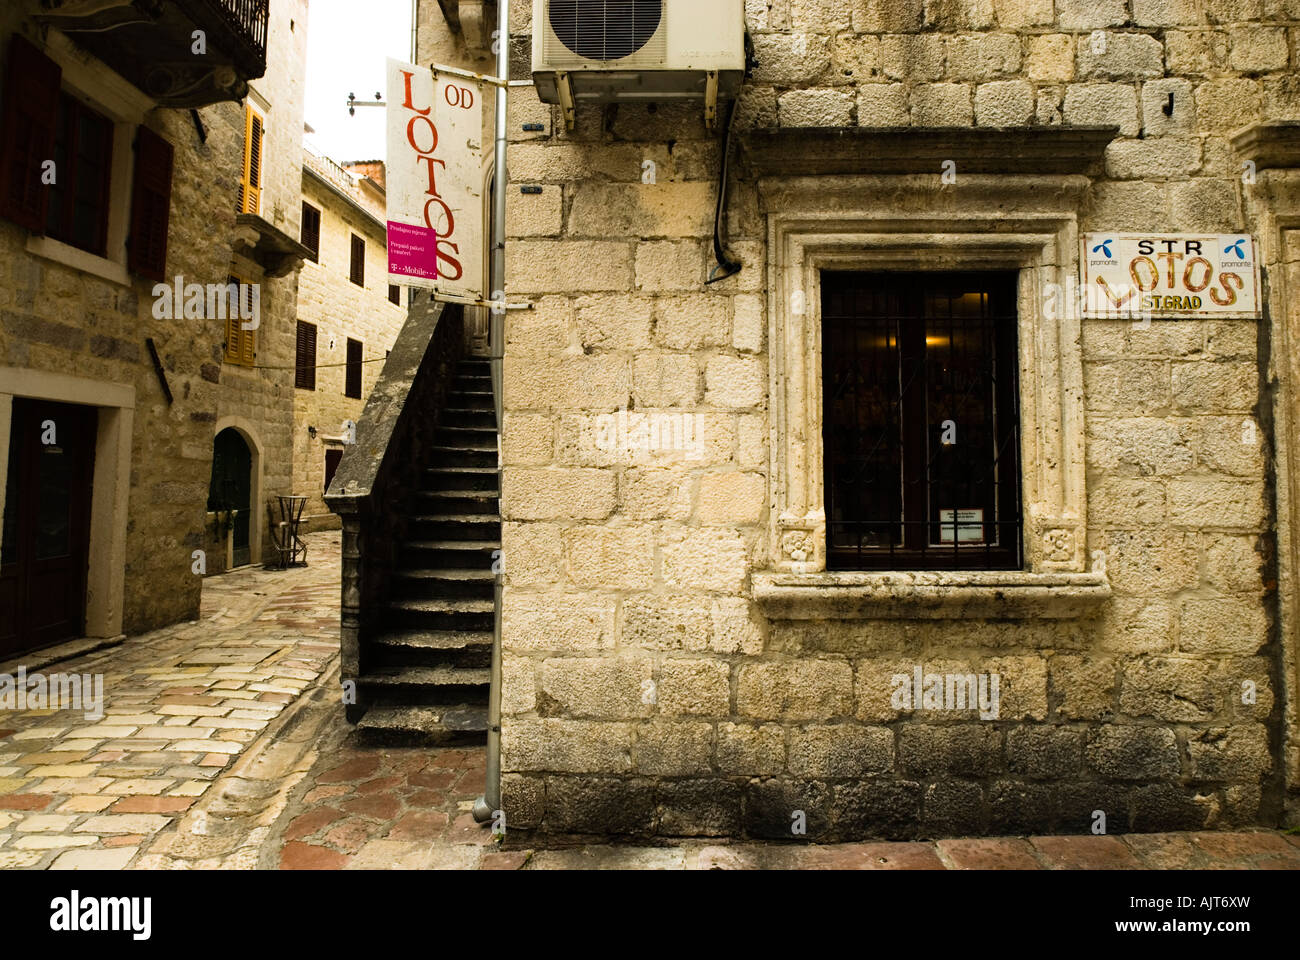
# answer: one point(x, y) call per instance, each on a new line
point(435, 180)
point(1169, 275)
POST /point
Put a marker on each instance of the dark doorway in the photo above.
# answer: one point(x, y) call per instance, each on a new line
point(332, 457)
point(231, 488)
point(921, 421)
point(46, 531)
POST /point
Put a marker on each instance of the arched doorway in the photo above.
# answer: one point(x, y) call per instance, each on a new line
point(231, 489)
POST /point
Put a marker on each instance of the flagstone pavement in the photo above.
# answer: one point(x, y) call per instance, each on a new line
point(223, 746)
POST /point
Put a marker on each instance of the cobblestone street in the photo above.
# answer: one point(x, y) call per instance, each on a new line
point(223, 745)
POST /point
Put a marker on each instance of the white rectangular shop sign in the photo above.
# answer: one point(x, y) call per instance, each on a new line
point(435, 180)
point(1166, 276)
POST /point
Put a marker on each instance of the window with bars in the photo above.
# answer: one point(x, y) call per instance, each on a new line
point(304, 376)
point(311, 230)
point(78, 202)
point(921, 427)
point(394, 294)
point(358, 267)
point(352, 384)
point(241, 344)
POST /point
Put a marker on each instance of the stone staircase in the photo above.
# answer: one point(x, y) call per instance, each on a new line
point(426, 668)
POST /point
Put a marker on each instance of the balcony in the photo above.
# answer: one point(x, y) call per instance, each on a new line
point(152, 44)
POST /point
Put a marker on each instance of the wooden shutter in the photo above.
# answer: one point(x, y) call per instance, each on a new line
point(311, 229)
point(305, 364)
point(352, 386)
point(394, 293)
point(250, 182)
point(248, 347)
point(358, 272)
point(31, 110)
point(151, 196)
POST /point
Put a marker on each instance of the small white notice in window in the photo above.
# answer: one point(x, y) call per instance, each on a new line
point(967, 524)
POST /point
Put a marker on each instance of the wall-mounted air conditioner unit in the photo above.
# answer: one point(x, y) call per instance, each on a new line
point(602, 51)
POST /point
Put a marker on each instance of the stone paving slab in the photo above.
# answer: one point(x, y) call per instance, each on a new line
point(181, 706)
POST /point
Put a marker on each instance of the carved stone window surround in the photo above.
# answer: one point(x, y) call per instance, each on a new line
point(1026, 223)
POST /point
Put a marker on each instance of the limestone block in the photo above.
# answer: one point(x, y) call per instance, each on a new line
point(1227, 104)
point(1050, 58)
point(789, 59)
point(887, 16)
point(1126, 503)
point(1105, 104)
point(691, 322)
point(941, 105)
point(662, 209)
point(1004, 103)
point(1140, 446)
point(1090, 14)
point(1155, 100)
point(539, 622)
point(654, 493)
point(518, 686)
point(841, 751)
point(569, 266)
point(918, 57)
point(1221, 625)
point(664, 265)
point(528, 438)
point(1023, 13)
point(1124, 56)
point(613, 322)
point(1085, 685)
point(1165, 13)
point(793, 691)
point(731, 498)
point(1127, 387)
point(700, 687)
point(609, 557)
point(815, 108)
point(1196, 53)
point(752, 750)
point(1167, 689)
point(1124, 752)
point(1204, 386)
point(1150, 562)
point(598, 687)
point(708, 560)
point(600, 381)
point(534, 214)
point(856, 58)
point(532, 553)
point(1202, 204)
point(882, 105)
point(550, 494)
point(1128, 206)
point(1257, 49)
point(747, 323)
point(1239, 752)
point(673, 748)
point(735, 382)
point(983, 56)
point(577, 746)
point(665, 380)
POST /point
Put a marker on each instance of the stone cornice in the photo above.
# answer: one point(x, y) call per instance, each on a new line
point(1270, 145)
point(796, 151)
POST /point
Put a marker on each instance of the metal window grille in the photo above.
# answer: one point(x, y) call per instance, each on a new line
point(921, 425)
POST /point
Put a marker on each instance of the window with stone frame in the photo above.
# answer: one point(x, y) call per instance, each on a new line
point(920, 427)
point(77, 213)
point(311, 230)
point(352, 381)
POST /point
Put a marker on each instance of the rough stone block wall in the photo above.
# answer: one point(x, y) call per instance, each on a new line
point(339, 309)
point(644, 692)
point(58, 319)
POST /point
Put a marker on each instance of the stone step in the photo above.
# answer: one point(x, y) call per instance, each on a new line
point(425, 725)
point(417, 676)
point(432, 639)
point(442, 605)
point(463, 456)
point(448, 476)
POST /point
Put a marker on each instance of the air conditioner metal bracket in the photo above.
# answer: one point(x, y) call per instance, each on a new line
point(565, 91)
point(711, 100)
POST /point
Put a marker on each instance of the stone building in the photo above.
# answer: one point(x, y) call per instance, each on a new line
point(252, 446)
point(876, 536)
point(348, 317)
point(120, 157)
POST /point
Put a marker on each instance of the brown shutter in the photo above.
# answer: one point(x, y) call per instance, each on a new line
point(248, 347)
point(311, 229)
point(31, 109)
point(352, 386)
point(305, 374)
point(151, 195)
point(358, 271)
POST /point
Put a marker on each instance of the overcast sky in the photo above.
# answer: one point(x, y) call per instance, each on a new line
point(347, 43)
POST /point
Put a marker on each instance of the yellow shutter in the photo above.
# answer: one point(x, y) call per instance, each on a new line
point(248, 347)
point(250, 177)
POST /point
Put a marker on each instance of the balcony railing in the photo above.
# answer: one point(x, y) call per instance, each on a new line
point(156, 52)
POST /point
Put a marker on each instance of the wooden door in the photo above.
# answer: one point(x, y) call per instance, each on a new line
point(46, 532)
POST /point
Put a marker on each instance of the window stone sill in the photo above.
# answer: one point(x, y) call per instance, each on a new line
point(994, 595)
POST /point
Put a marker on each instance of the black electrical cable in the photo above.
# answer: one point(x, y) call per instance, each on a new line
point(726, 266)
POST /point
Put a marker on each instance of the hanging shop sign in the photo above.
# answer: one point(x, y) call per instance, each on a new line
point(1167, 276)
point(435, 180)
